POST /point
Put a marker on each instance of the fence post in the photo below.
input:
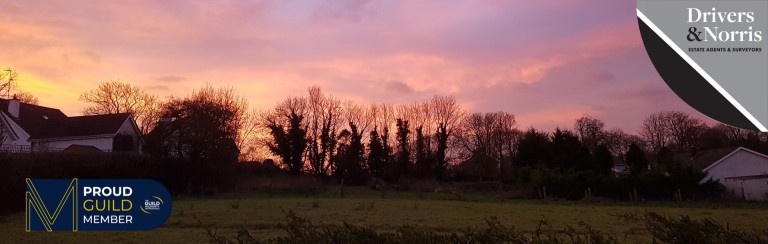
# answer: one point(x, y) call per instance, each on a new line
point(635, 191)
point(541, 196)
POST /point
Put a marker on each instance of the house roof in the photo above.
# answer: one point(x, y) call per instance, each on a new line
point(33, 116)
point(706, 159)
point(84, 126)
point(43, 122)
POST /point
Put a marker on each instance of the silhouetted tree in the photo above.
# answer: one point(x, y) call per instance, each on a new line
point(324, 116)
point(684, 131)
point(388, 152)
point(654, 131)
point(603, 160)
point(251, 138)
point(382, 117)
point(722, 135)
point(618, 142)
point(636, 160)
point(27, 98)
point(117, 97)
point(350, 157)
point(199, 131)
point(447, 115)
point(198, 126)
point(286, 125)
point(666, 159)
point(424, 160)
point(672, 129)
point(440, 152)
point(534, 149)
point(590, 131)
point(488, 135)
point(377, 157)
point(403, 161)
point(568, 152)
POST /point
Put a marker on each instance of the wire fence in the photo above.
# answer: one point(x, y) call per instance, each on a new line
point(27, 149)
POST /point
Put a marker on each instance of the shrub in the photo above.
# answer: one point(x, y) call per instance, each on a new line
point(687, 230)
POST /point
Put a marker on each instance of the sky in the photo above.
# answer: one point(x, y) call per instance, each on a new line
point(547, 62)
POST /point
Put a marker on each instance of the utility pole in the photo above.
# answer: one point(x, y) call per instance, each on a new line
point(7, 81)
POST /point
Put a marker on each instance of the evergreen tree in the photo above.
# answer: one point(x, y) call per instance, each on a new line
point(424, 161)
point(603, 160)
point(350, 157)
point(389, 166)
point(666, 159)
point(442, 145)
point(403, 161)
point(636, 159)
point(568, 152)
point(376, 155)
point(290, 144)
point(534, 149)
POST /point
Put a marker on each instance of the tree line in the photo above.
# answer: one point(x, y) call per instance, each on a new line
point(436, 138)
point(200, 138)
point(331, 138)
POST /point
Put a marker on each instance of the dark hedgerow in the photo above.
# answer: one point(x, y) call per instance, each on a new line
point(301, 230)
point(660, 228)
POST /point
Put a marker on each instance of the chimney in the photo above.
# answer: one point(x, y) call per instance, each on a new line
point(13, 107)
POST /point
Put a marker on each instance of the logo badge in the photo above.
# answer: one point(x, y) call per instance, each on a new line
point(713, 55)
point(95, 205)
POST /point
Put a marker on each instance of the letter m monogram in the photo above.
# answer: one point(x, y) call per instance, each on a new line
point(33, 201)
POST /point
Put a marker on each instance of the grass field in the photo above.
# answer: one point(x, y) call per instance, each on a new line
point(263, 213)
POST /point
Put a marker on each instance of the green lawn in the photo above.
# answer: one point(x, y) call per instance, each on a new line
point(262, 214)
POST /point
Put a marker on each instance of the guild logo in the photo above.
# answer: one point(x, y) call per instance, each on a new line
point(151, 205)
point(95, 204)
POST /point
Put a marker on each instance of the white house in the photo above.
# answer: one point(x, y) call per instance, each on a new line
point(750, 188)
point(28, 127)
point(742, 171)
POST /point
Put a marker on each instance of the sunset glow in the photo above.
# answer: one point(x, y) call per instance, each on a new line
point(547, 62)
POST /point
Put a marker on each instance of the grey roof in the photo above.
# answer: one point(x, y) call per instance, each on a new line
point(704, 158)
point(43, 122)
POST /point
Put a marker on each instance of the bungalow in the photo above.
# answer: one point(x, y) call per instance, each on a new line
point(32, 128)
point(742, 171)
